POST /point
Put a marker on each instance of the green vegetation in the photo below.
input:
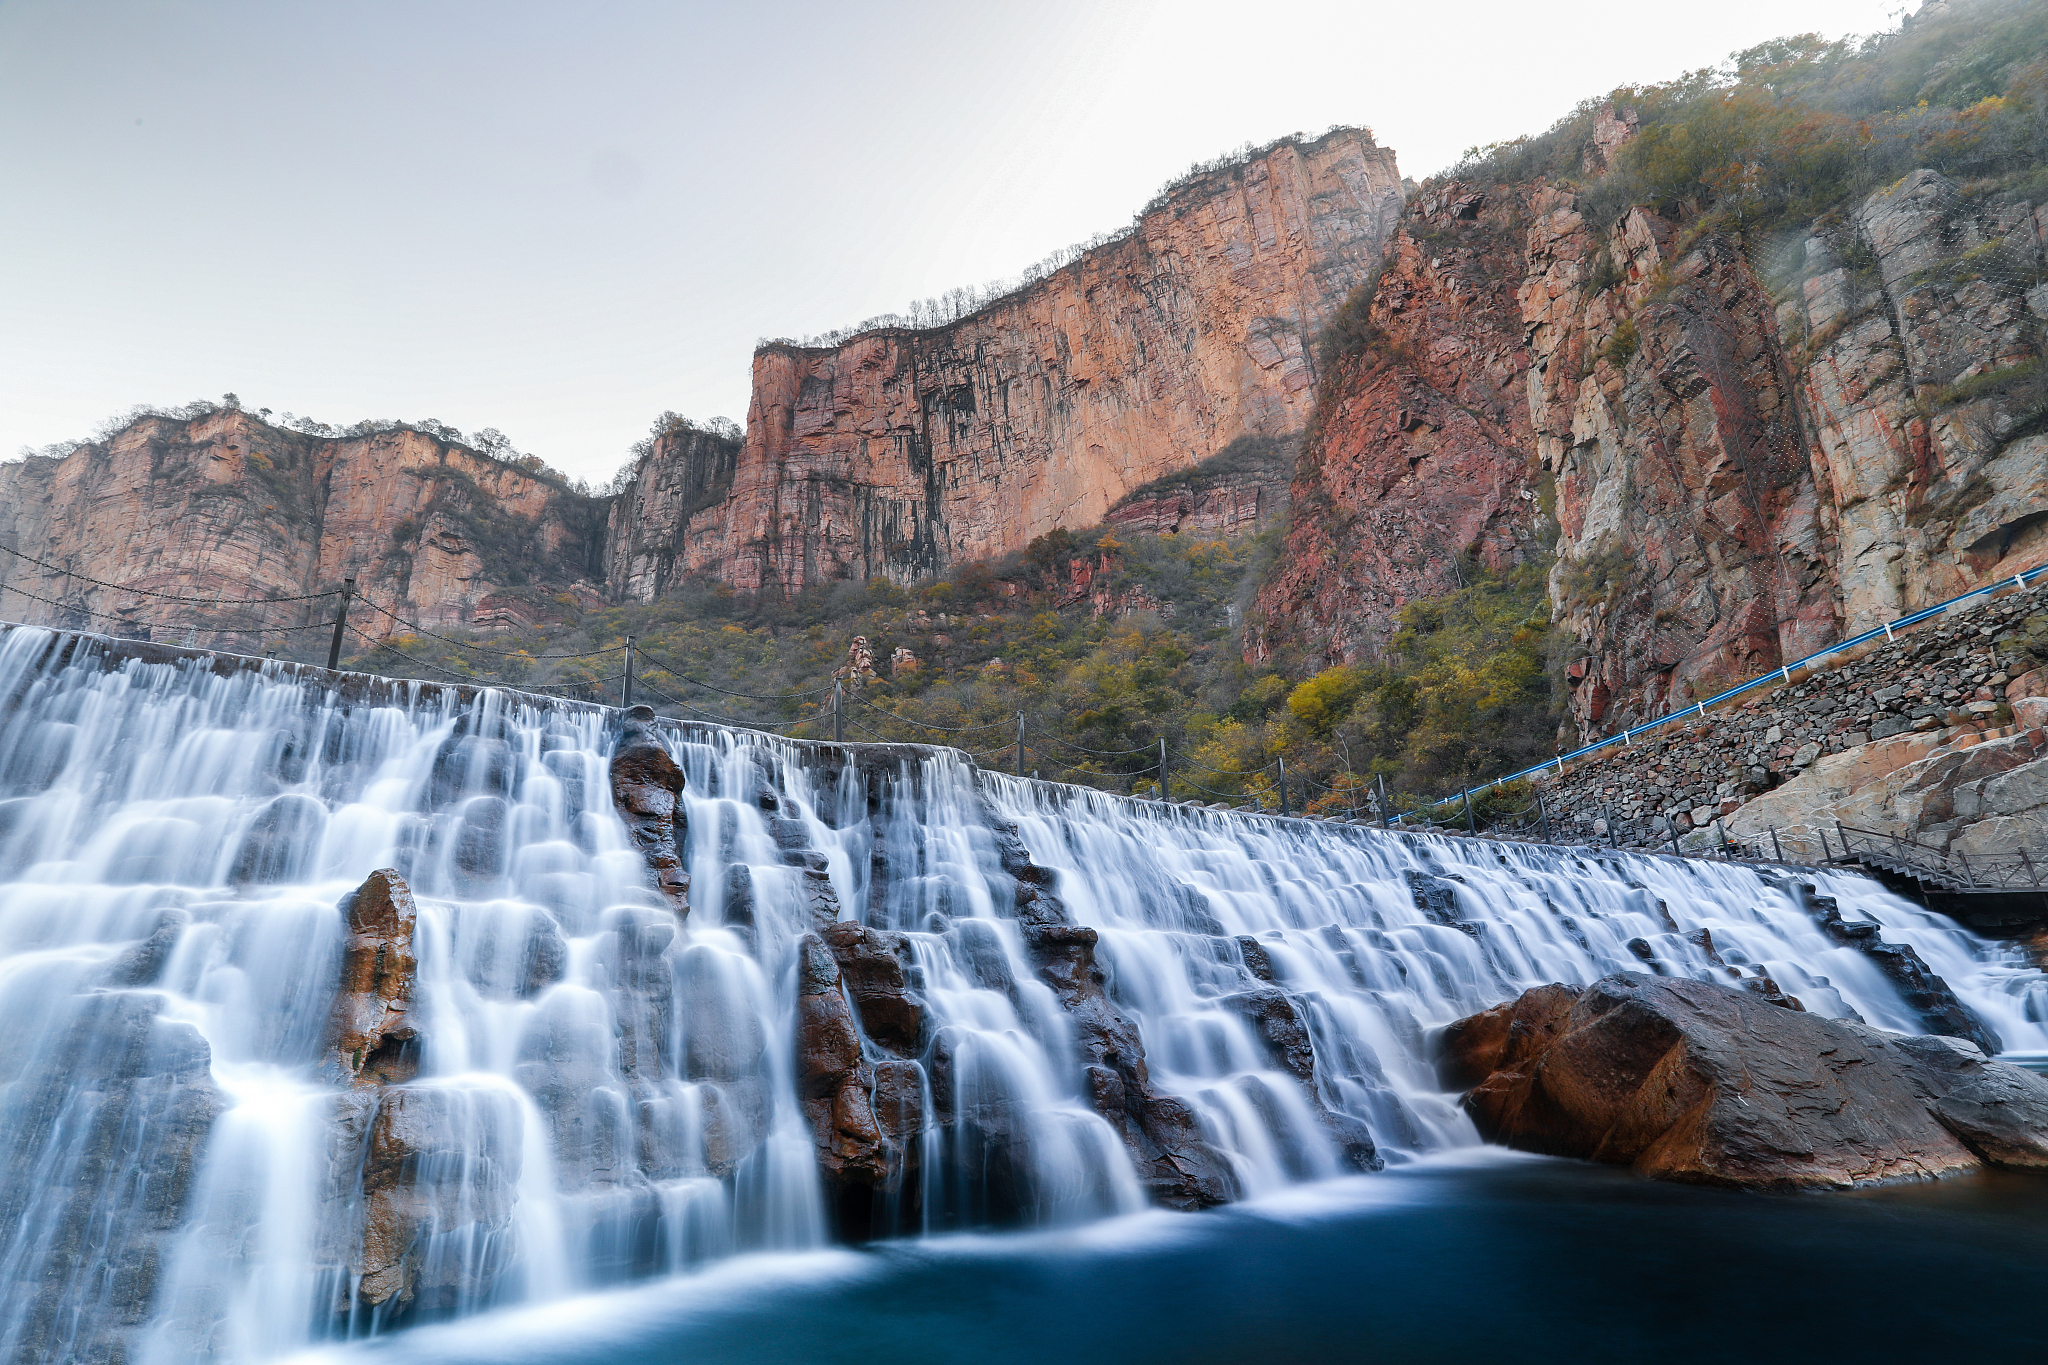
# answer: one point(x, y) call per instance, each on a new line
point(1792, 129)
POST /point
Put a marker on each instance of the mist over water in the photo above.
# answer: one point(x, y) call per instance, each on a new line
point(606, 1097)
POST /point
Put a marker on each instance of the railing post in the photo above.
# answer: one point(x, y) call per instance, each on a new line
point(838, 713)
point(1671, 828)
point(1777, 852)
point(1471, 820)
point(348, 588)
point(1607, 814)
point(1283, 787)
point(1162, 768)
point(1386, 806)
point(1543, 814)
point(626, 692)
point(1020, 744)
point(2027, 869)
point(1969, 877)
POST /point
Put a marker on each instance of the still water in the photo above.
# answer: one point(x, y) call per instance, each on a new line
point(1489, 1256)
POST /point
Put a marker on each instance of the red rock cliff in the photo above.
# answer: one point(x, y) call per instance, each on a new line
point(903, 451)
point(228, 506)
point(1749, 459)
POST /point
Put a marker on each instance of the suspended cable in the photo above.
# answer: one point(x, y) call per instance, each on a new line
point(672, 670)
point(166, 596)
point(421, 630)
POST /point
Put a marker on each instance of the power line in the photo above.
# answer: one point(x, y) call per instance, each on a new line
point(156, 625)
point(421, 630)
point(671, 669)
point(164, 596)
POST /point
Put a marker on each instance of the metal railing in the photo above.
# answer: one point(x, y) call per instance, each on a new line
point(1932, 867)
point(1777, 677)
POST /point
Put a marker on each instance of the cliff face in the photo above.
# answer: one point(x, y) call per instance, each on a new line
point(1749, 459)
point(1420, 453)
point(687, 470)
point(227, 506)
point(901, 451)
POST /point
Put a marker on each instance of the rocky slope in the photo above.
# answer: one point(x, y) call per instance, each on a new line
point(225, 505)
point(903, 451)
point(1746, 459)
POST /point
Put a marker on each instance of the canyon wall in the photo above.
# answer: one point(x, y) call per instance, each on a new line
point(227, 506)
point(1741, 460)
point(903, 451)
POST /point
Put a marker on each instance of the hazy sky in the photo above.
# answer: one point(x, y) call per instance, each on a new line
point(560, 219)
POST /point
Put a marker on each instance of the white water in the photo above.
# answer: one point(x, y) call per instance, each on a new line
point(628, 1108)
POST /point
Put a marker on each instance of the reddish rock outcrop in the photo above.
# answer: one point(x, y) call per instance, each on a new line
point(371, 1036)
point(835, 1083)
point(647, 790)
point(1420, 452)
point(903, 451)
point(228, 506)
point(1689, 1081)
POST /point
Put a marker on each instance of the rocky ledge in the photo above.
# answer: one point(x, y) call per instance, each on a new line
point(1696, 1082)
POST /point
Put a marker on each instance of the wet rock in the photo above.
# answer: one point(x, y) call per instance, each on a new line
point(876, 968)
point(834, 1082)
point(1277, 1019)
point(1177, 1166)
point(545, 958)
point(481, 851)
point(143, 963)
point(1924, 992)
point(643, 1001)
point(371, 1036)
point(284, 834)
point(741, 906)
point(438, 1181)
point(1257, 960)
point(1690, 1081)
point(110, 1111)
point(647, 789)
point(2000, 1111)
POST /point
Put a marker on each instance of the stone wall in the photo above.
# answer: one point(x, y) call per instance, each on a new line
point(1898, 736)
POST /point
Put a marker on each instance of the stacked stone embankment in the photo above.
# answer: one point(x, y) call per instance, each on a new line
point(1931, 735)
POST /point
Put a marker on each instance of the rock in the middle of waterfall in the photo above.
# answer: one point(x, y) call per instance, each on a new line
point(1692, 1081)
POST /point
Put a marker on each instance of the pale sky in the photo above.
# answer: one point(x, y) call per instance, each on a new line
point(561, 219)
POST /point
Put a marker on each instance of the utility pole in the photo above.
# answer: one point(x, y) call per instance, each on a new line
point(1283, 787)
point(348, 587)
point(1020, 744)
point(838, 713)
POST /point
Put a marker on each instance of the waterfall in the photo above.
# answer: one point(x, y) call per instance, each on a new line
point(909, 996)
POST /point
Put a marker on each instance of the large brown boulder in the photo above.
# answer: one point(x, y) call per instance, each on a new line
point(371, 1037)
point(1687, 1080)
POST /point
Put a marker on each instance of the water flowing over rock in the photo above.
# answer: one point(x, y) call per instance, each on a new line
point(1697, 1082)
point(912, 997)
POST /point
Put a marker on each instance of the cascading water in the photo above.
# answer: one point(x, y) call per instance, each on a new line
point(1049, 1003)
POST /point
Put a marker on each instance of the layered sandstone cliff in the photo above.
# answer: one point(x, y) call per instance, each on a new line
point(226, 506)
point(903, 451)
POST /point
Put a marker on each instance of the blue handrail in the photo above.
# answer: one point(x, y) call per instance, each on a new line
point(1771, 679)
